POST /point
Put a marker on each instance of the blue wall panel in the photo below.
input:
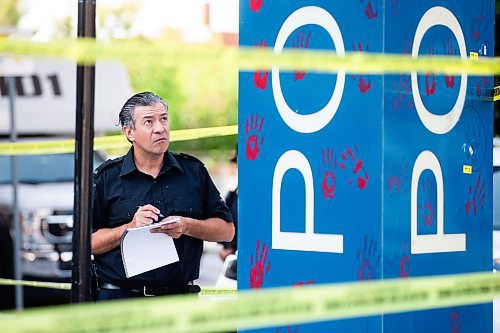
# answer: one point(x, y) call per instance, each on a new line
point(467, 193)
point(326, 161)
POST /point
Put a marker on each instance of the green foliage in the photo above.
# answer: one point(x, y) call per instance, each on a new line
point(65, 28)
point(116, 21)
point(9, 13)
point(197, 97)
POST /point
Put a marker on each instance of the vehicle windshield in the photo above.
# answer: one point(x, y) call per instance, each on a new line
point(37, 169)
point(496, 198)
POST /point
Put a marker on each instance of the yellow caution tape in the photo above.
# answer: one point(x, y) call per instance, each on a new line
point(107, 142)
point(215, 291)
point(496, 94)
point(37, 284)
point(205, 291)
point(87, 51)
point(254, 309)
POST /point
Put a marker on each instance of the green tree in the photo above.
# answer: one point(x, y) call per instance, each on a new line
point(116, 22)
point(197, 96)
point(9, 13)
point(65, 28)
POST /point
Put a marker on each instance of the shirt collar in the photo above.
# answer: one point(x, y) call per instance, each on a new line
point(129, 166)
point(128, 163)
point(169, 161)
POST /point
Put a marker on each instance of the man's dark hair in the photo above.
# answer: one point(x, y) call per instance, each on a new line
point(147, 98)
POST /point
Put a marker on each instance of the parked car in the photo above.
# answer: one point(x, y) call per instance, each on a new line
point(45, 203)
point(227, 277)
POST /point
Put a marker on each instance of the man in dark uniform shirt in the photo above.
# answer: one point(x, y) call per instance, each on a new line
point(232, 203)
point(133, 190)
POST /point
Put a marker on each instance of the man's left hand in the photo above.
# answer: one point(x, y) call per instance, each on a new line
point(174, 230)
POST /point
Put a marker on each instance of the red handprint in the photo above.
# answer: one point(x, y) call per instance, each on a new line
point(260, 76)
point(289, 329)
point(294, 328)
point(369, 12)
point(260, 79)
point(428, 213)
point(259, 269)
point(449, 79)
point(428, 191)
point(369, 260)
point(430, 89)
point(358, 166)
point(403, 89)
point(394, 183)
point(300, 43)
point(398, 178)
point(404, 263)
point(253, 146)
point(477, 197)
point(330, 165)
point(363, 86)
point(395, 6)
point(255, 5)
point(479, 87)
point(454, 321)
point(302, 283)
point(477, 25)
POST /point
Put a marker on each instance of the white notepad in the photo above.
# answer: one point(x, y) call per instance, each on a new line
point(143, 251)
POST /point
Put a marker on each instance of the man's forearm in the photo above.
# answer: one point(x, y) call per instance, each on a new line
point(106, 239)
point(212, 229)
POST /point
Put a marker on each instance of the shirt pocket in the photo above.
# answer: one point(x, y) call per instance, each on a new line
point(188, 206)
point(122, 212)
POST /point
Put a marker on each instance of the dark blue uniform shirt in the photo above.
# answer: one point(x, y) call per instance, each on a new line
point(183, 187)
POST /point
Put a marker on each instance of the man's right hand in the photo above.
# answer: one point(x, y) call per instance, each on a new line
point(145, 215)
point(106, 239)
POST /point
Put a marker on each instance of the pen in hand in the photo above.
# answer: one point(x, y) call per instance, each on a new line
point(160, 215)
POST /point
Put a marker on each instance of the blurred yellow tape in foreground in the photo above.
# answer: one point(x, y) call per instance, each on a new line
point(107, 142)
point(87, 51)
point(36, 284)
point(205, 291)
point(267, 307)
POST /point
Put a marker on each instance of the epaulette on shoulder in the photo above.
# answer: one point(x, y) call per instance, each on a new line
point(187, 157)
point(107, 164)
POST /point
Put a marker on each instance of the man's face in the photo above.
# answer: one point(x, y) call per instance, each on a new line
point(152, 132)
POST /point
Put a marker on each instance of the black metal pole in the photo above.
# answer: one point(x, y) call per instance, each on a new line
point(84, 146)
point(18, 274)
